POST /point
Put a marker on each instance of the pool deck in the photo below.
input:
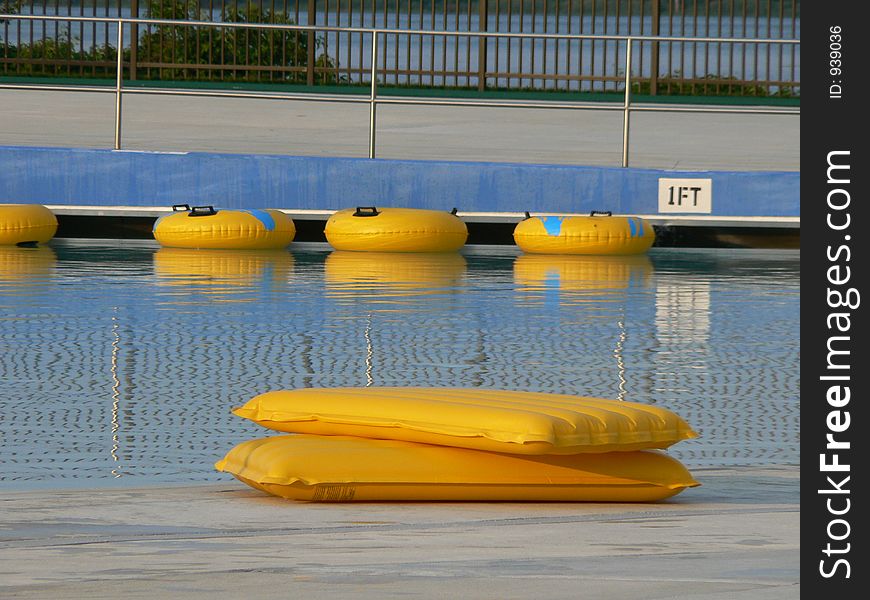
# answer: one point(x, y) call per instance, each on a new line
point(736, 536)
point(684, 141)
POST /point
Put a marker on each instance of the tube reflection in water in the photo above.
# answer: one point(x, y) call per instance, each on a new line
point(224, 275)
point(577, 279)
point(26, 264)
point(391, 277)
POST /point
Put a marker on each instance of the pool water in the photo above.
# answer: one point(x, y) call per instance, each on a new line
point(120, 360)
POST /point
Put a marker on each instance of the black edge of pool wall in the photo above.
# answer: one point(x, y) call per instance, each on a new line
point(482, 233)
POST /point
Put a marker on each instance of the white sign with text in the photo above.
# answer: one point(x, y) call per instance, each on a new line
point(685, 195)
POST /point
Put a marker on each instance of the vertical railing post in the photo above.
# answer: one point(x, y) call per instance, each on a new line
point(482, 25)
point(312, 21)
point(373, 105)
point(654, 56)
point(118, 84)
point(626, 108)
point(134, 39)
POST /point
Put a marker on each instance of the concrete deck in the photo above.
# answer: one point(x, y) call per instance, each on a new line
point(231, 125)
point(735, 537)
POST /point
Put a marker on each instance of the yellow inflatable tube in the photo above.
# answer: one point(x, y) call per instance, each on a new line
point(345, 469)
point(26, 224)
point(205, 227)
point(599, 233)
point(367, 229)
point(492, 420)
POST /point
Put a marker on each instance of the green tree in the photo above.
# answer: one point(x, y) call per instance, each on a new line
point(235, 50)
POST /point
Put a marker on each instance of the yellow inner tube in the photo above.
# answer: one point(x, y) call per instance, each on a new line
point(26, 224)
point(584, 235)
point(367, 229)
point(228, 229)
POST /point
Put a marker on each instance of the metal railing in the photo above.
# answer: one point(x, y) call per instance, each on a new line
point(161, 53)
point(373, 100)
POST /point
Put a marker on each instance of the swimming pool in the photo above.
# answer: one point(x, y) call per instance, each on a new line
point(120, 360)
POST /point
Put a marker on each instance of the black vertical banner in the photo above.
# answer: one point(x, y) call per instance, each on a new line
point(834, 260)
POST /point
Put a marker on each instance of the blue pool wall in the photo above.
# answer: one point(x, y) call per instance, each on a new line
point(71, 176)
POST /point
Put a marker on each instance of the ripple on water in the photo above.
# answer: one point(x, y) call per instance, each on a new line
point(121, 362)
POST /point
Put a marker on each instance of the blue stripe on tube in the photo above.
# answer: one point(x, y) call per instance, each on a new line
point(553, 225)
point(262, 216)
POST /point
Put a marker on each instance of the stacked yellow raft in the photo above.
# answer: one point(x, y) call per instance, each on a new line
point(371, 444)
point(599, 233)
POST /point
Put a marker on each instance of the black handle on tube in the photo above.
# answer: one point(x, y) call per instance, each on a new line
point(366, 211)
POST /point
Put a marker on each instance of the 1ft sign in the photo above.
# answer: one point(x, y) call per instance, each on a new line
point(686, 196)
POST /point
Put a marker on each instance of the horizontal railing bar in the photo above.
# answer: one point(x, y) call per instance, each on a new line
point(57, 88)
point(420, 32)
point(713, 109)
point(449, 74)
point(154, 65)
point(77, 62)
point(193, 92)
point(505, 104)
point(226, 67)
point(392, 71)
point(346, 98)
point(365, 99)
point(722, 82)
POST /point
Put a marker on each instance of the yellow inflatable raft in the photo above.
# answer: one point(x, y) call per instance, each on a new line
point(26, 224)
point(599, 233)
point(493, 420)
point(344, 469)
point(368, 228)
point(205, 227)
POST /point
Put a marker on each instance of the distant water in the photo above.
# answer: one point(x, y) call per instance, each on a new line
point(742, 61)
point(120, 361)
